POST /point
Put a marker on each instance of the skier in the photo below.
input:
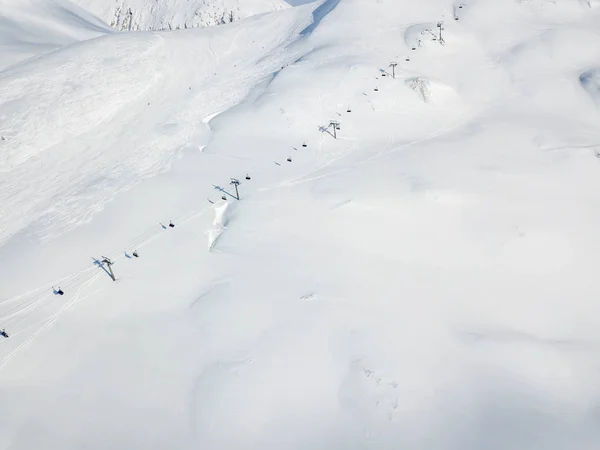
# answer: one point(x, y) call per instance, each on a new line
point(4, 333)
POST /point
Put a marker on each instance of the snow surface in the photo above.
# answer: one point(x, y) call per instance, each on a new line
point(32, 27)
point(153, 15)
point(426, 281)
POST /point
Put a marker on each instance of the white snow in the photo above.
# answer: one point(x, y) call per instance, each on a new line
point(425, 281)
point(127, 15)
point(32, 27)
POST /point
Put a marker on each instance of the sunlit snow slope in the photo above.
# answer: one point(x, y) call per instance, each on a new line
point(176, 14)
point(32, 27)
point(426, 279)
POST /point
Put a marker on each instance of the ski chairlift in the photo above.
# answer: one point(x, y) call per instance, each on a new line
point(171, 224)
point(135, 253)
point(224, 197)
point(4, 333)
point(384, 74)
point(407, 59)
point(289, 159)
point(58, 291)
point(248, 177)
point(376, 90)
point(349, 110)
point(304, 144)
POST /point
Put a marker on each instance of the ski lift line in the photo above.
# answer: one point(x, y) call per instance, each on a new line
point(8, 318)
point(141, 240)
point(153, 233)
point(62, 281)
point(21, 331)
point(65, 282)
point(48, 323)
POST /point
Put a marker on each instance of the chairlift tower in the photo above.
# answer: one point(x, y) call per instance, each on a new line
point(109, 264)
point(236, 183)
point(336, 126)
point(393, 66)
point(440, 26)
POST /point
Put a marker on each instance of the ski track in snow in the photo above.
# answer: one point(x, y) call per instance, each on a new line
point(445, 239)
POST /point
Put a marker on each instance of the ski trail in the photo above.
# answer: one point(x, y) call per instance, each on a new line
point(48, 323)
point(48, 285)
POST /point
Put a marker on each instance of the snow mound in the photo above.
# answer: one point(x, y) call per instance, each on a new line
point(431, 91)
point(144, 15)
point(219, 224)
point(590, 81)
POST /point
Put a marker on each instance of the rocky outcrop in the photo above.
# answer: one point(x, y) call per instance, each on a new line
point(154, 15)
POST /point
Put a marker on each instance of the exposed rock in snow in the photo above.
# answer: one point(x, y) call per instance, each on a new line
point(155, 15)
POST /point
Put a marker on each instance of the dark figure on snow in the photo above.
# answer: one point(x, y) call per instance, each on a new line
point(171, 224)
point(135, 253)
point(4, 333)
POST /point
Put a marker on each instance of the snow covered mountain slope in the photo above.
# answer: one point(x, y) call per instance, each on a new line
point(33, 27)
point(175, 14)
point(421, 276)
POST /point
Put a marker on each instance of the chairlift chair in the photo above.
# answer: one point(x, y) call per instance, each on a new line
point(58, 290)
point(289, 159)
point(224, 197)
point(248, 177)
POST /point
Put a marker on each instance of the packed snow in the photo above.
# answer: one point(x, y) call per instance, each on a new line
point(410, 263)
